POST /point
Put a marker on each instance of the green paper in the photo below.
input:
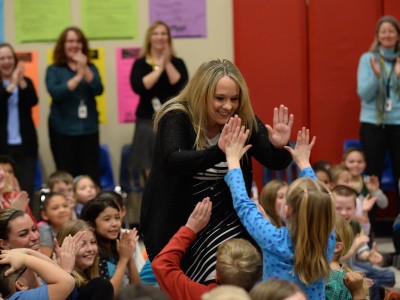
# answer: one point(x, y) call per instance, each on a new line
point(44, 20)
point(105, 19)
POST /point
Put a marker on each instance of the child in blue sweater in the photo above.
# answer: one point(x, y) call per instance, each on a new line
point(301, 251)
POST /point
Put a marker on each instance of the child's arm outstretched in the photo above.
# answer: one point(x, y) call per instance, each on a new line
point(60, 283)
point(166, 265)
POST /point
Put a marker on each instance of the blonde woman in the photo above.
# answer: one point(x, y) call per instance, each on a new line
point(189, 162)
point(156, 76)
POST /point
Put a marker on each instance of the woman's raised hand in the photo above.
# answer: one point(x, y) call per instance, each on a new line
point(376, 68)
point(279, 134)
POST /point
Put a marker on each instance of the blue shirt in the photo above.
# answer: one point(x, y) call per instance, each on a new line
point(40, 293)
point(13, 131)
point(276, 244)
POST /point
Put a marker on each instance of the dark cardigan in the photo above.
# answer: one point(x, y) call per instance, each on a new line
point(27, 98)
point(167, 198)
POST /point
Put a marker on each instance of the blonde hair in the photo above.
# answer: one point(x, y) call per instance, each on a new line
point(268, 197)
point(385, 19)
point(195, 99)
point(336, 171)
point(147, 43)
point(238, 263)
point(310, 225)
point(344, 234)
point(275, 289)
point(226, 292)
point(72, 227)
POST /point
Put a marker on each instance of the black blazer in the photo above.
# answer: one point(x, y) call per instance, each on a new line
point(27, 98)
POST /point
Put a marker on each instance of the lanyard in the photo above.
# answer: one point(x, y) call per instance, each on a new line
point(389, 78)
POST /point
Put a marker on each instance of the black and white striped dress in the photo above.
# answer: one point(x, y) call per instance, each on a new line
point(199, 261)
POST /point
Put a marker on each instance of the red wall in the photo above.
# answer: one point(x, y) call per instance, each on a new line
point(306, 57)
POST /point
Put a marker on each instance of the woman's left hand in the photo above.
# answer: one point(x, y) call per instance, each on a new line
point(279, 134)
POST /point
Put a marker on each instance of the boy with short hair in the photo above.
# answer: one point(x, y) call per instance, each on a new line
point(62, 182)
point(19, 281)
point(238, 261)
point(361, 257)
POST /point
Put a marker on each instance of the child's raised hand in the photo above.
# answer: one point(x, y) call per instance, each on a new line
point(372, 183)
point(302, 150)
point(125, 247)
point(200, 216)
point(133, 237)
point(15, 258)
point(279, 134)
point(374, 256)
point(368, 202)
point(19, 200)
point(235, 147)
point(65, 255)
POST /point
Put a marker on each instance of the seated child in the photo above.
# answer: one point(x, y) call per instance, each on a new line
point(238, 262)
point(18, 279)
point(115, 247)
point(277, 289)
point(336, 288)
point(55, 211)
point(226, 292)
point(340, 175)
point(62, 182)
point(88, 284)
point(367, 187)
point(324, 175)
point(272, 196)
point(85, 190)
point(300, 252)
point(361, 257)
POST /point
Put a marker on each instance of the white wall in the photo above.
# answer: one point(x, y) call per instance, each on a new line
point(219, 43)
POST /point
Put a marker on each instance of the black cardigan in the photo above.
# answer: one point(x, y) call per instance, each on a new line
point(167, 198)
point(27, 98)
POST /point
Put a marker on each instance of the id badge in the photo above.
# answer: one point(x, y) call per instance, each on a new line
point(82, 111)
point(155, 102)
point(388, 105)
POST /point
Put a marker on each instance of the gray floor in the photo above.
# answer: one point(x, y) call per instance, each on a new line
point(385, 245)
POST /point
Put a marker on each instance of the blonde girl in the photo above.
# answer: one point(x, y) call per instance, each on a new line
point(88, 284)
point(271, 199)
point(301, 251)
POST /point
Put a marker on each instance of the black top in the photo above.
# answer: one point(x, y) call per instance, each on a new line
point(168, 198)
point(27, 98)
point(162, 89)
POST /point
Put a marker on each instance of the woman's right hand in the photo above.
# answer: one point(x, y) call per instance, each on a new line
point(376, 68)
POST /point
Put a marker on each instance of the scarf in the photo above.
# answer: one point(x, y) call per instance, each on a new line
point(382, 55)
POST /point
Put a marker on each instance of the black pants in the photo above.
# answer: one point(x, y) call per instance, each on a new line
point(376, 140)
point(77, 155)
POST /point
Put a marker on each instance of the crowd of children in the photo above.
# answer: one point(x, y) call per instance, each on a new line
point(310, 237)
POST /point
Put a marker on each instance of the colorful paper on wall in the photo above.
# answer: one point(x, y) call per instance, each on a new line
point(186, 18)
point(40, 20)
point(105, 19)
point(31, 64)
point(128, 100)
point(97, 58)
point(1, 21)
